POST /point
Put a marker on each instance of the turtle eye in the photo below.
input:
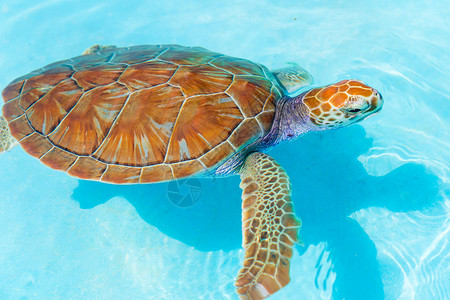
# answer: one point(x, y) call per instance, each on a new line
point(351, 111)
point(355, 107)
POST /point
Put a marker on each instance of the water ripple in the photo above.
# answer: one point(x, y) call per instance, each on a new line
point(414, 256)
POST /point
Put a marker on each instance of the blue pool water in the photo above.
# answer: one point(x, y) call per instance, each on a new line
point(373, 198)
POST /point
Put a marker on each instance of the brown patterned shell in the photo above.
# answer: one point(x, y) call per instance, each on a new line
point(141, 114)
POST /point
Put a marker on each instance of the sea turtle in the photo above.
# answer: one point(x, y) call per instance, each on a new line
point(155, 113)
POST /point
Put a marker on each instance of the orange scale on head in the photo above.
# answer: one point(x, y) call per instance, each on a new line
point(359, 91)
point(356, 83)
point(311, 102)
point(338, 114)
point(339, 99)
point(343, 87)
point(316, 112)
point(325, 107)
point(328, 92)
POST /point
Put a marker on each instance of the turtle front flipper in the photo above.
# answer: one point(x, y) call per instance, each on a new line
point(293, 77)
point(269, 227)
point(7, 142)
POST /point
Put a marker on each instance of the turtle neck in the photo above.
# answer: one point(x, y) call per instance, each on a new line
point(290, 122)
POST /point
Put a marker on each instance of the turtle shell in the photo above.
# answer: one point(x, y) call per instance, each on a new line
point(141, 114)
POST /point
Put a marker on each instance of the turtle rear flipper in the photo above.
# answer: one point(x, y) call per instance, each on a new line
point(98, 48)
point(7, 142)
point(269, 227)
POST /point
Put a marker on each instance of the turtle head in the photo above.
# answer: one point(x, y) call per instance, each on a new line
point(341, 104)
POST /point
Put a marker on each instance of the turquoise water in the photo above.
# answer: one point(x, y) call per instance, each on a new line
point(374, 197)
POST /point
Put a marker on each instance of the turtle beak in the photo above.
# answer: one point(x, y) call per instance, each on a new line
point(376, 103)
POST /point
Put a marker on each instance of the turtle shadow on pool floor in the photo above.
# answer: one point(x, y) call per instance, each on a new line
point(329, 184)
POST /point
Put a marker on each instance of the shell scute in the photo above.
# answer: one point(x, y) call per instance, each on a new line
point(203, 123)
point(88, 61)
point(47, 113)
point(147, 74)
point(87, 168)
point(217, 154)
point(156, 173)
point(202, 79)
point(12, 91)
point(141, 133)
point(270, 102)
point(121, 174)
point(265, 120)
point(188, 56)
point(20, 128)
point(90, 119)
point(89, 78)
point(135, 55)
point(12, 109)
point(186, 168)
point(248, 128)
point(37, 86)
point(238, 66)
point(36, 144)
point(251, 93)
point(58, 159)
point(30, 97)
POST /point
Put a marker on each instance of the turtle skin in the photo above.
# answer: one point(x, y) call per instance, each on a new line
point(141, 114)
